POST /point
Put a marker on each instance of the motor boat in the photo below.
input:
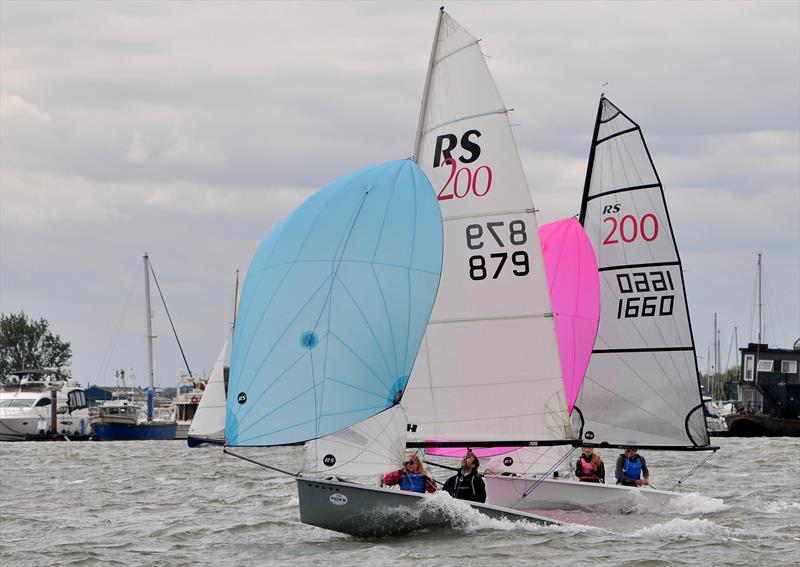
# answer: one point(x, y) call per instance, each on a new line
point(27, 398)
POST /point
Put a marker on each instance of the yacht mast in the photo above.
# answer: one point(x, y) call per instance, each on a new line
point(759, 297)
point(149, 324)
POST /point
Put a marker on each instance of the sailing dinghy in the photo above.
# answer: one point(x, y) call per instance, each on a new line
point(641, 384)
point(332, 313)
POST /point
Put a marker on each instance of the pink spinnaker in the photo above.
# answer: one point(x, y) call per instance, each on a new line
point(574, 283)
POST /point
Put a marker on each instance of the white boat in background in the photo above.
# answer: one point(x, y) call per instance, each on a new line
point(27, 400)
point(641, 386)
point(188, 396)
point(208, 425)
point(715, 416)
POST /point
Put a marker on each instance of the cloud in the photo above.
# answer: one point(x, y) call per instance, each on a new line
point(127, 127)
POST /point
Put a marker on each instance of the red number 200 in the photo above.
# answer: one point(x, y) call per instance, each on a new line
point(629, 229)
point(472, 181)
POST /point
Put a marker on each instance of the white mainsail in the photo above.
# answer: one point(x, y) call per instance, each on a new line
point(641, 386)
point(489, 369)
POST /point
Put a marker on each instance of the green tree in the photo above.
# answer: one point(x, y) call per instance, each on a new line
point(26, 344)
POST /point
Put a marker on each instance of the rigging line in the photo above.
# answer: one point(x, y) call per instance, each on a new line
point(455, 469)
point(546, 475)
point(174, 332)
point(259, 463)
point(697, 466)
point(116, 333)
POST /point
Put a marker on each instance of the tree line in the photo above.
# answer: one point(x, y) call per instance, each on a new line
point(26, 344)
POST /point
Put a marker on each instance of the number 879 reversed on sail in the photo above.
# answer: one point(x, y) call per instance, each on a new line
point(507, 237)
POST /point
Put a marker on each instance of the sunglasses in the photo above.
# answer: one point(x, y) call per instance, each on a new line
point(406, 463)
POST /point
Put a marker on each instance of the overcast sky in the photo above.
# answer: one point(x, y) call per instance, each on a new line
point(188, 130)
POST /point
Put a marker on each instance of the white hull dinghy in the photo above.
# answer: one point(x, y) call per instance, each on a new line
point(641, 387)
point(566, 494)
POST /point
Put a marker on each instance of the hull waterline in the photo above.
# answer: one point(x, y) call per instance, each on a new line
point(367, 511)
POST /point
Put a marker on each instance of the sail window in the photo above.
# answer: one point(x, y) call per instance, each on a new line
point(748, 367)
point(789, 366)
point(765, 365)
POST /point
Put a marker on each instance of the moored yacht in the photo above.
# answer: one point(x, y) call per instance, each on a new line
point(42, 403)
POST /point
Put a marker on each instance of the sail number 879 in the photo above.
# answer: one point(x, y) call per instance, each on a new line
point(512, 234)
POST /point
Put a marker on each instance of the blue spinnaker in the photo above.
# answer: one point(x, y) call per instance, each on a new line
point(334, 308)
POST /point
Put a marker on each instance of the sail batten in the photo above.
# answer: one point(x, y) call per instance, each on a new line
point(641, 386)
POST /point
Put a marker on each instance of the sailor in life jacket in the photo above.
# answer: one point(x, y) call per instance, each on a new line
point(631, 469)
point(590, 467)
point(412, 476)
point(467, 484)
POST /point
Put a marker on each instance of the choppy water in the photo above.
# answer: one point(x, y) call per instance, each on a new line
point(161, 503)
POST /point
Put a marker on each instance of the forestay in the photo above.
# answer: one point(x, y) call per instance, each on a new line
point(334, 308)
point(641, 385)
point(488, 370)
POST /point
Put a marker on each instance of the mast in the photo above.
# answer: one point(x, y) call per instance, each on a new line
point(759, 297)
point(426, 90)
point(235, 300)
point(716, 357)
point(589, 169)
point(149, 336)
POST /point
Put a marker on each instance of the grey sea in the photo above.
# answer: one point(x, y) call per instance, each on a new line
point(161, 503)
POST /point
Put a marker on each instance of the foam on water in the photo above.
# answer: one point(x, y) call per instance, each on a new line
point(780, 507)
point(686, 504)
point(695, 528)
point(464, 517)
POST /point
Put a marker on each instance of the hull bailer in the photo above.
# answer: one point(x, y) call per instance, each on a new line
point(563, 494)
point(367, 511)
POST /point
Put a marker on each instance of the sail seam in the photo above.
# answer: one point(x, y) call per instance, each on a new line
point(455, 51)
point(498, 318)
point(635, 266)
point(614, 135)
point(659, 349)
point(493, 214)
point(631, 188)
point(461, 119)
